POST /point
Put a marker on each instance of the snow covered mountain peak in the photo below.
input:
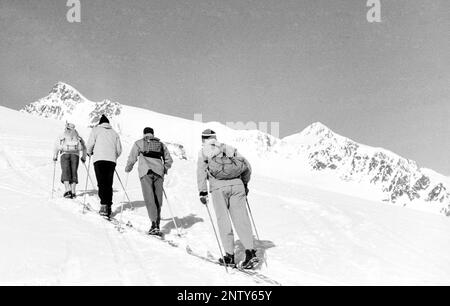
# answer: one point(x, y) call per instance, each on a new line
point(60, 102)
point(315, 133)
point(66, 92)
point(64, 102)
point(394, 178)
point(317, 129)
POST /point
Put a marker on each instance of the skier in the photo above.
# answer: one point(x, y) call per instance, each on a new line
point(69, 144)
point(105, 147)
point(228, 174)
point(154, 162)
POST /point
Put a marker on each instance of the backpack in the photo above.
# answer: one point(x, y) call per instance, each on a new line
point(153, 148)
point(224, 167)
point(70, 144)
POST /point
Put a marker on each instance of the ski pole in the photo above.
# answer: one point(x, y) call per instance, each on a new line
point(215, 233)
point(251, 217)
point(123, 200)
point(124, 190)
point(89, 176)
point(54, 173)
point(85, 188)
point(254, 225)
point(171, 213)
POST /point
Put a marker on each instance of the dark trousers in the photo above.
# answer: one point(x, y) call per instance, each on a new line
point(104, 172)
point(69, 168)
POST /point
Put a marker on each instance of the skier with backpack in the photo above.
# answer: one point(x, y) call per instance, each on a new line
point(154, 162)
point(69, 145)
point(228, 174)
point(105, 147)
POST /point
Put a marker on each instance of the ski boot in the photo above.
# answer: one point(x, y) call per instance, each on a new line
point(227, 260)
point(251, 260)
point(154, 230)
point(68, 195)
point(105, 211)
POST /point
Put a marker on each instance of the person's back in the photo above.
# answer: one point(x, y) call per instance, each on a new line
point(69, 145)
point(153, 155)
point(105, 147)
point(70, 142)
point(106, 142)
point(154, 162)
point(228, 174)
point(207, 162)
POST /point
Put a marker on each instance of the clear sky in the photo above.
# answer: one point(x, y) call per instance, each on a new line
point(289, 61)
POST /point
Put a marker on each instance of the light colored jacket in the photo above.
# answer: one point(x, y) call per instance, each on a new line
point(60, 148)
point(208, 150)
point(158, 166)
point(104, 143)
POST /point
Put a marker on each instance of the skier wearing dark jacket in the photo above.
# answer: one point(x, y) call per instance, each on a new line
point(229, 195)
point(154, 162)
point(105, 147)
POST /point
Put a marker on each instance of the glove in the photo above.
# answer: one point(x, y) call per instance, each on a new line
point(204, 197)
point(246, 189)
point(128, 169)
point(55, 159)
point(83, 160)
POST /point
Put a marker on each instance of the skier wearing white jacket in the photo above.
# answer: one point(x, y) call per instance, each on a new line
point(105, 147)
point(228, 173)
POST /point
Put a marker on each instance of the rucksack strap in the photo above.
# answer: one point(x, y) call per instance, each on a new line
point(154, 154)
point(223, 151)
point(78, 146)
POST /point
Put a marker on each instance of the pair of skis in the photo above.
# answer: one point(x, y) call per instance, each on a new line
point(121, 226)
point(255, 275)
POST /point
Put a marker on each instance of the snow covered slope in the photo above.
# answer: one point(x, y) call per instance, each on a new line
point(309, 235)
point(317, 154)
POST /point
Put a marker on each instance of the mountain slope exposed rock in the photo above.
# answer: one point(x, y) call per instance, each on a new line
point(65, 103)
point(400, 179)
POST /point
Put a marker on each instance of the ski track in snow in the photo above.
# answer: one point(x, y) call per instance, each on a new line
point(129, 266)
point(310, 236)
